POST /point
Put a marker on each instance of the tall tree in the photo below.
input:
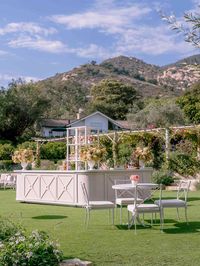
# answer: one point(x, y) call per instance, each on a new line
point(113, 98)
point(21, 104)
point(190, 103)
point(158, 113)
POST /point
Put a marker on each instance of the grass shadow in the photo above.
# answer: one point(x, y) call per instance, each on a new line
point(49, 217)
point(184, 228)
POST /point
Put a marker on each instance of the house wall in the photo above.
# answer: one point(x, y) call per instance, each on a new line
point(47, 132)
point(95, 121)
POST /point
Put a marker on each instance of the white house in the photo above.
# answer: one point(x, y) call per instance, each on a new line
point(53, 127)
point(97, 121)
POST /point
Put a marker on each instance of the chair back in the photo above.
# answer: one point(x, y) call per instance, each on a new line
point(152, 189)
point(85, 194)
point(183, 189)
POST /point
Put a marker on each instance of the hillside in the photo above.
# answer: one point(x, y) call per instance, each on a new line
point(70, 90)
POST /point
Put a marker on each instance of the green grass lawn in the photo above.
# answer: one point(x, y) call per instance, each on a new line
point(105, 244)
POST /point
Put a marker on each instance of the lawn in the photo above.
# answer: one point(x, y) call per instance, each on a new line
point(105, 244)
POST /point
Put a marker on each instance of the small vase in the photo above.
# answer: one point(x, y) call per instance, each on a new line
point(24, 165)
point(134, 182)
point(91, 164)
point(142, 164)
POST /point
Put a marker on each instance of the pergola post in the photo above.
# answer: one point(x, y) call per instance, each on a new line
point(167, 148)
point(38, 162)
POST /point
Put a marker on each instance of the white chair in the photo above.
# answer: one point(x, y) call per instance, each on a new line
point(141, 207)
point(180, 201)
point(1, 181)
point(124, 197)
point(95, 205)
point(9, 181)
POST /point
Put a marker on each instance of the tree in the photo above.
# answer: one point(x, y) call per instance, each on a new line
point(113, 98)
point(20, 106)
point(190, 103)
point(158, 113)
point(191, 32)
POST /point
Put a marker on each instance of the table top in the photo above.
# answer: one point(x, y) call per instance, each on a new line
point(131, 186)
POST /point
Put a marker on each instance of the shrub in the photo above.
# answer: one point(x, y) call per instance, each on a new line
point(53, 151)
point(184, 164)
point(7, 229)
point(6, 151)
point(29, 250)
point(163, 177)
point(7, 165)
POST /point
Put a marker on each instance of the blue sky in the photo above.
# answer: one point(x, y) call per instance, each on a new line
point(39, 38)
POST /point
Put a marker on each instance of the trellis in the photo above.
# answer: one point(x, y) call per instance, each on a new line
point(116, 136)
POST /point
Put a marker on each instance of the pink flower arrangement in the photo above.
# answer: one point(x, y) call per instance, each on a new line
point(135, 178)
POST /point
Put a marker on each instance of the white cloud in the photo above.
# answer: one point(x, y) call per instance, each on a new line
point(105, 19)
point(124, 24)
point(26, 27)
point(3, 52)
point(122, 21)
point(38, 43)
point(92, 51)
point(6, 78)
point(151, 40)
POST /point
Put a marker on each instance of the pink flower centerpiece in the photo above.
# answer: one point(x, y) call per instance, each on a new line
point(134, 179)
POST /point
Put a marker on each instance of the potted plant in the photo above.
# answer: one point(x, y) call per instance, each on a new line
point(23, 156)
point(92, 155)
point(143, 155)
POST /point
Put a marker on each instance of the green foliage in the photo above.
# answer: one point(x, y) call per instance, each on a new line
point(7, 165)
point(53, 151)
point(6, 151)
point(184, 164)
point(190, 104)
point(158, 113)
point(128, 142)
point(8, 229)
point(113, 98)
point(20, 106)
point(27, 145)
point(65, 97)
point(124, 153)
point(163, 177)
point(28, 250)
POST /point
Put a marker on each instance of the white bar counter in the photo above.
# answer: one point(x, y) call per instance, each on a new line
point(64, 187)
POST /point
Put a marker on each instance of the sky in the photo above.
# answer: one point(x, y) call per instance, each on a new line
point(39, 38)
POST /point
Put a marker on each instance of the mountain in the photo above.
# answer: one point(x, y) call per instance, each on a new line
point(70, 90)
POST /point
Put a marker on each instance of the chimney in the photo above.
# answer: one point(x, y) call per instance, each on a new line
point(78, 115)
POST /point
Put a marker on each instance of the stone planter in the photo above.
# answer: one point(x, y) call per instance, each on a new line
point(24, 165)
point(91, 164)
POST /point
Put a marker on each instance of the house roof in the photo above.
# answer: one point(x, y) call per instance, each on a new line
point(97, 112)
point(124, 124)
point(54, 122)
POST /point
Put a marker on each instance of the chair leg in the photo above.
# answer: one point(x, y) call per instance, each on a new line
point(88, 217)
point(120, 214)
point(151, 219)
point(135, 224)
point(186, 218)
point(177, 211)
point(85, 216)
point(128, 220)
point(113, 216)
point(161, 219)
